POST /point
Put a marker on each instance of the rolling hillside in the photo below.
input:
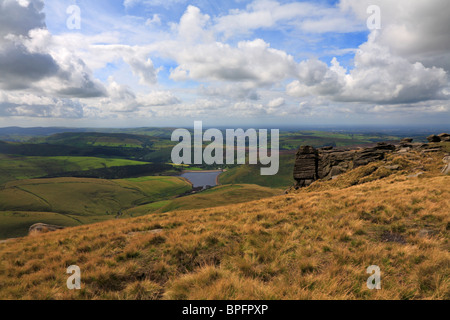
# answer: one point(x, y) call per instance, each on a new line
point(216, 197)
point(315, 243)
point(79, 201)
point(251, 174)
point(20, 167)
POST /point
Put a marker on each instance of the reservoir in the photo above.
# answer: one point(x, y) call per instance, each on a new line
point(202, 178)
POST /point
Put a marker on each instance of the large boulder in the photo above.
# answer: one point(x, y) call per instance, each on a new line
point(306, 166)
point(434, 138)
point(446, 169)
point(444, 137)
point(43, 228)
point(406, 140)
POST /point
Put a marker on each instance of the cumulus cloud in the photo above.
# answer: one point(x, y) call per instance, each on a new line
point(403, 65)
point(27, 62)
point(276, 103)
point(231, 91)
point(121, 98)
point(378, 77)
point(38, 106)
point(416, 30)
point(200, 57)
point(304, 16)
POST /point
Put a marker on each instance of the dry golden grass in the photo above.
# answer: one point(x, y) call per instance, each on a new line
point(313, 244)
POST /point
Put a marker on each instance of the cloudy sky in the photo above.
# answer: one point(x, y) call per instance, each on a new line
point(226, 62)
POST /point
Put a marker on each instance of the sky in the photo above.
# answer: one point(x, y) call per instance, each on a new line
point(261, 63)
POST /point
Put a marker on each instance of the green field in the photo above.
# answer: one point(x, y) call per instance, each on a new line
point(81, 200)
point(21, 167)
point(216, 197)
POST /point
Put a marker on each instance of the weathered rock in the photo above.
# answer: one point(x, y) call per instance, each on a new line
point(326, 163)
point(369, 155)
point(43, 228)
point(434, 138)
point(394, 167)
point(416, 175)
point(306, 168)
point(444, 137)
point(432, 150)
point(407, 140)
point(446, 169)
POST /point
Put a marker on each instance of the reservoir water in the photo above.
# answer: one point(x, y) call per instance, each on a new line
point(202, 178)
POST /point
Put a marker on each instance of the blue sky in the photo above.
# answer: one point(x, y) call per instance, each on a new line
point(277, 62)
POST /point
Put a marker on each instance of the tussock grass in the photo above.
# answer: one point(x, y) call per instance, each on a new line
point(313, 244)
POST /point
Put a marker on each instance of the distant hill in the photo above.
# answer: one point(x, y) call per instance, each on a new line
point(96, 139)
point(18, 134)
point(89, 144)
point(80, 200)
point(216, 197)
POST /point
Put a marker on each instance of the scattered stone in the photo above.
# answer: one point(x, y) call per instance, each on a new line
point(415, 175)
point(434, 138)
point(404, 150)
point(446, 169)
point(43, 228)
point(395, 167)
point(432, 150)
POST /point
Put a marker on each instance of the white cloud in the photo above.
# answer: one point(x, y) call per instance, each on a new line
point(416, 30)
point(378, 77)
point(121, 98)
point(276, 103)
point(304, 16)
point(28, 60)
point(403, 66)
point(38, 106)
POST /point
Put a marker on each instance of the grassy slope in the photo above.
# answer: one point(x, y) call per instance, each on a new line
point(248, 174)
point(15, 167)
point(313, 244)
point(80, 200)
point(219, 196)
